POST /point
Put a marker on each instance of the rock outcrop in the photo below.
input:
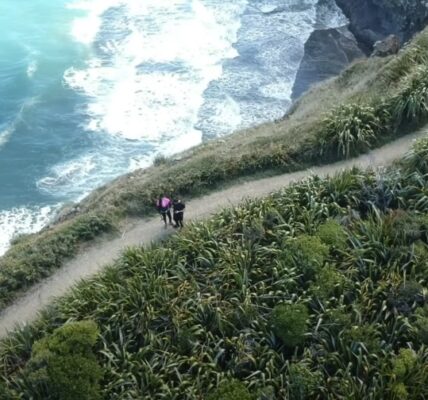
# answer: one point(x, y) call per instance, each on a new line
point(383, 48)
point(327, 53)
point(374, 20)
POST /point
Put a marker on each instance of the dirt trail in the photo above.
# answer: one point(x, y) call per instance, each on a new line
point(137, 232)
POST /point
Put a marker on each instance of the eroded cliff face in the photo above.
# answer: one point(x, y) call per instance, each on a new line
point(373, 20)
point(330, 48)
point(327, 53)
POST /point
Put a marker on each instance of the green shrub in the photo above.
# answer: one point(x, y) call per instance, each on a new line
point(87, 227)
point(411, 103)
point(63, 366)
point(420, 258)
point(406, 296)
point(230, 390)
point(329, 282)
point(303, 381)
point(402, 227)
point(159, 160)
point(336, 320)
point(290, 323)
point(365, 335)
point(307, 254)
point(404, 363)
point(350, 129)
point(399, 391)
point(409, 375)
point(333, 235)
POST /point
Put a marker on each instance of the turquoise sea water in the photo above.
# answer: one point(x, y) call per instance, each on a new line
point(91, 89)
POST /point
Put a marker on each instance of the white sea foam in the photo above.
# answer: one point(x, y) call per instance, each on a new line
point(5, 135)
point(152, 87)
point(22, 220)
point(260, 80)
point(139, 162)
point(86, 27)
point(9, 130)
point(330, 15)
point(32, 68)
point(76, 178)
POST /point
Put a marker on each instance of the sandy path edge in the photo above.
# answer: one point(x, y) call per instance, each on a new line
point(136, 232)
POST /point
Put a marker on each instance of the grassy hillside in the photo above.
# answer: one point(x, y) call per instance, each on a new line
point(317, 292)
point(372, 102)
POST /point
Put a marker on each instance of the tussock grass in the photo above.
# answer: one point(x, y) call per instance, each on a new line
point(226, 310)
point(351, 129)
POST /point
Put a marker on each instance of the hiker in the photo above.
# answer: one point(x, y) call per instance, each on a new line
point(178, 209)
point(163, 205)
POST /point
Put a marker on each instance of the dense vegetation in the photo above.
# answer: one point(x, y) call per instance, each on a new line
point(372, 102)
point(316, 292)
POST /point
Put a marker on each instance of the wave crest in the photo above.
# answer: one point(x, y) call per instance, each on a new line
point(23, 220)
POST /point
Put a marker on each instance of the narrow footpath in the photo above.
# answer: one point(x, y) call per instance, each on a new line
point(142, 232)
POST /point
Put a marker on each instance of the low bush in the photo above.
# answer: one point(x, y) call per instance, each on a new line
point(304, 382)
point(364, 336)
point(337, 320)
point(63, 366)
point(351, 129)
point(407, 370)
point(404, 363)
point(160, 160)
point(407, 296)
point(330, 283)
point(290, 323)
point(411, 103)
point(307, 254)
point(333, 235)
point(231, 390)
point(417, 158)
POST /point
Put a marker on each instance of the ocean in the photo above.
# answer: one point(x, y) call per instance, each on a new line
point(92, 89)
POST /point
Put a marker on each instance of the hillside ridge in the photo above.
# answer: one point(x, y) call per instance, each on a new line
point(139, 232)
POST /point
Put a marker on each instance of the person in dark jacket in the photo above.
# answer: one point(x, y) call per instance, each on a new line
point(178, 209)
point(163, 205)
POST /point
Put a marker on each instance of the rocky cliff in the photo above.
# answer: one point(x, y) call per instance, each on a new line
point(373, 20)
point(328, 51)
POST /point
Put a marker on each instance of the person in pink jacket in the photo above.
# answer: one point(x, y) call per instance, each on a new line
point(164, 205)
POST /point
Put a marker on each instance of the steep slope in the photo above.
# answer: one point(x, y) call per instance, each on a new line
point(315, 292)
point(371, 103)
